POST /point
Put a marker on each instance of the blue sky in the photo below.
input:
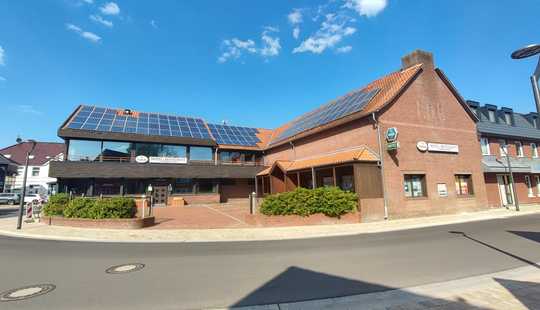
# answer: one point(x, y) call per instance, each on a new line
point(252, 63)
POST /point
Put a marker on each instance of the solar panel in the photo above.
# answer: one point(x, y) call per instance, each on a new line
point(337, 109)
point(155, 124)
point(234, 135)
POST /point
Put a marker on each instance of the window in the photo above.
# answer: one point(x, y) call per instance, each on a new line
point(529, 186)
point(116, 151)
point(160, 150)
point(200, 153)
point(205, 186)
point(508, 118)
point(20, 170)
point(415, 185)
point(484, 144)
point(519, 149)
point(84, 150)
point(534, 150)
point(537, 179)
point(232, 157)
point(183, 186)
point(503, 148)
point(474, 110)
point(464, 185)
point(491, 115)
point(535, 122)
point(35, 171)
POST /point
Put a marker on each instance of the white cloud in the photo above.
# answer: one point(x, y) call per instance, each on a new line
point(100, 20)
point(28, 109)
point(89, 1)
point(295, 17)
point(2, 79)
point(368, 8)
point(90, 36)
point(234, 48)
point(332, 31)
point(110, 8)
point(153, 24)
point(296, 32)
point(2, 57)
point(344, 49)
point(271, 46)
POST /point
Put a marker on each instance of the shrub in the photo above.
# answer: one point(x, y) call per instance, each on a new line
point(56, 204)
point(118, 207)
point(330, 201)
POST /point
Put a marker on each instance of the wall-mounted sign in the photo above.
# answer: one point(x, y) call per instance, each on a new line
point(141, 159)
point(442, 190)
point(391, 134)
point(168, 160)
point(422, 146)
point(392, 146)
point(443, 148)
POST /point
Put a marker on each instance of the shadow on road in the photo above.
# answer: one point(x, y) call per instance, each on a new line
point(496, 249)
point(531, 235)
point(298, 284)
point(525, 292)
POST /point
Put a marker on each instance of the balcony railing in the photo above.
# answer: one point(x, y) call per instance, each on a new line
point(127, 159)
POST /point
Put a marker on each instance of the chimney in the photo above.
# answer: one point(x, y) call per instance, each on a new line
point(418, 57)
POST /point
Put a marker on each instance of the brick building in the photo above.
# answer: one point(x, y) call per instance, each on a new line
point(509, 140)
point(428, 163)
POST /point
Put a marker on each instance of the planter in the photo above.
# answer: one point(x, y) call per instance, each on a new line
point(133, 223)
point(262, 220)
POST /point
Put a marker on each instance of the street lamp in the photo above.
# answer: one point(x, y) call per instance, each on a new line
point(529, 51)
point(23, 193)
point(511, 177)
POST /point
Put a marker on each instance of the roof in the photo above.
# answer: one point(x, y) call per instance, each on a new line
point(362, 153)
point(389, 87)
point(522, 125)
point(43, 152)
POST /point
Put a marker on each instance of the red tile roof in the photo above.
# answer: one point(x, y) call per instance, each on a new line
point(43, 152)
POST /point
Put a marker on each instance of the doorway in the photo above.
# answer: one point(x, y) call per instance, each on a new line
point(506, 191)
point(160, 194)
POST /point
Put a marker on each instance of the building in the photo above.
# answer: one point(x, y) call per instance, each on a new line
point(509, 140)
point(407, 144)
point(7, 169)
point(38, 180)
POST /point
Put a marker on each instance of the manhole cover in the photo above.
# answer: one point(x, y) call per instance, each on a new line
point(26, 292)
point(125, 268)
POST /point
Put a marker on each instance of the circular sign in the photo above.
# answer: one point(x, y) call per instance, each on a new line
point(141, 159)
point(391, 134)
point(422, 146)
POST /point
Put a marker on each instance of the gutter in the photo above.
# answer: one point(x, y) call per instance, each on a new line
point(381, 160)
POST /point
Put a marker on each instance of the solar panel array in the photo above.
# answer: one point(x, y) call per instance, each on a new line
point(224, 134)
point(337, 109)
point(154, 124)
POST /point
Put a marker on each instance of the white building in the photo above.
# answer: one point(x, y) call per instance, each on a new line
point(38, 180)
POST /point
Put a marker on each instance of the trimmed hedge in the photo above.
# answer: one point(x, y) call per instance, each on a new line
point(91, 208)
point(56, 204)
point(330, 201)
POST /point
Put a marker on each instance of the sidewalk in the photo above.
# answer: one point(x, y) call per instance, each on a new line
point(42, 231)
point(516, 289)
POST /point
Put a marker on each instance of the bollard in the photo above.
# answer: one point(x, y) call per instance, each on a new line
point(143, 205)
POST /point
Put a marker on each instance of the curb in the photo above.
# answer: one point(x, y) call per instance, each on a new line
point(308, 235)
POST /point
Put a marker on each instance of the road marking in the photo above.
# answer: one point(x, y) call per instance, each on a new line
point(26, 292)
point(125, 268)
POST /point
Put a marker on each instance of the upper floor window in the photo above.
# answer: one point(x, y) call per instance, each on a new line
point(508, 118)
point(535, 122)
point(484, 144)
point(116, 151)
point(35, 171)
point(232, 157)
point(84, 150)
point(534, 150)
point(503, 148)
point(491, 116)
point(529, 186)
point(200, 153)
point(519, 149)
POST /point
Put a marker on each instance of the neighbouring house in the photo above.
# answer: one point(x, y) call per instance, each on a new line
point(509, 140)
point(38, 180)
point(7, 169)
point(406, 143)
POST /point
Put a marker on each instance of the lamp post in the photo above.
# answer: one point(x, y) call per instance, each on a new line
point(511, 177)
point(23, 192)
point(525, 52)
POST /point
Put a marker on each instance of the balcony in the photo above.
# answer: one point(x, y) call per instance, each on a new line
point(499, 164)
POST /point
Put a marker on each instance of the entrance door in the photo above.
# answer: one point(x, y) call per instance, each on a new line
point(505, 190)
point(160, 195)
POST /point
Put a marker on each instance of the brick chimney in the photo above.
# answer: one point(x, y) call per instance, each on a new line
point(418, 57)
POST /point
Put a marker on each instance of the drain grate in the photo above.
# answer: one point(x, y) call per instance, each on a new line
point(125, 268)
point(26, 292)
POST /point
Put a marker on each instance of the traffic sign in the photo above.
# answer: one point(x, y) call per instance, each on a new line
point(391, 134)
point(392, 146)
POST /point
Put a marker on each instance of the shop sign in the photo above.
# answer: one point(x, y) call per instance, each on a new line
point(442, 190)
point(422, 146)
point(443, 148)
point(392, 146)
point(167, 160)
point(391, 134)
point(141, 159)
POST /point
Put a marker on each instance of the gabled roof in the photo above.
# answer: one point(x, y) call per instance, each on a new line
point(389, 87)
point(362, 153)
point(43, 152)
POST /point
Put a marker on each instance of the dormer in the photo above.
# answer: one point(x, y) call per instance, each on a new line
point(532, 118)
point(474, 106)
point(491, 112)
point(507, 116)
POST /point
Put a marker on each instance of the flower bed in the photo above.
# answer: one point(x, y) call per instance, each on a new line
point(131, 223)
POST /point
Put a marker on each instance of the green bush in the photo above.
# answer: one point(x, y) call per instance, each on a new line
point(118, 207)
point(56, 204)
point(330, 201)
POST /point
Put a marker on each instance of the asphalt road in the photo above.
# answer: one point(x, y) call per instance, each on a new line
point(201, 275)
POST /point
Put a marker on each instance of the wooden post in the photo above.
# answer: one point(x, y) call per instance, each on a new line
point(334, 174)
point(313, 178)
point(298, 179)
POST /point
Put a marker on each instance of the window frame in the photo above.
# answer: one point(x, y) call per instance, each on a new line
point(528, 183)
point(534, 150)
point(486, 145)
point(491, 116)
point(461, 180)
point(36, 171)
point(508, 118)
point(519, 149)
point(408, 180)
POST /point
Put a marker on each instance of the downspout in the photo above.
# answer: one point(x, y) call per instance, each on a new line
point(381, 156)
point(293, 149)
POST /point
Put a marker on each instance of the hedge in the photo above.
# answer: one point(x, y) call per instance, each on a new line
point(83, 207)
point(330, 201)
